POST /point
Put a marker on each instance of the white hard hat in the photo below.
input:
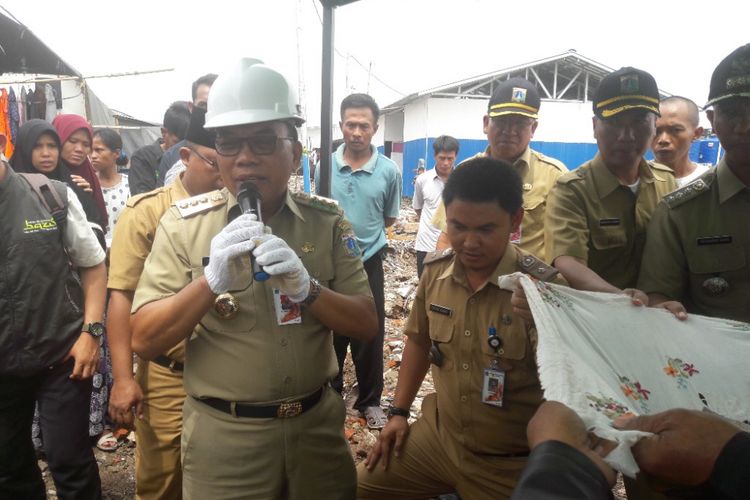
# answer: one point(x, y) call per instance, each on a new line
point(251, 92)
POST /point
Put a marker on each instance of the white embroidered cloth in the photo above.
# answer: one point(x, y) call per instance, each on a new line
point(604, 357)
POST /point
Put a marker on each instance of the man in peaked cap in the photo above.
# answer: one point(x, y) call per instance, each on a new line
point(155, 394)
point(597, 215)
point(510, 123)
point(698, 246)
point(260, 419)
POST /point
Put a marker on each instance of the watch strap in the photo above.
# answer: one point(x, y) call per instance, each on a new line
point(314, 292)
point(395, 411)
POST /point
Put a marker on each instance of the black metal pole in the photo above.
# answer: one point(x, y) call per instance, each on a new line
point(326, 103)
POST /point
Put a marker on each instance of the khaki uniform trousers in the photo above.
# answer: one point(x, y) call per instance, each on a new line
point(303, 457)
point(433, 463)
point(158, 471)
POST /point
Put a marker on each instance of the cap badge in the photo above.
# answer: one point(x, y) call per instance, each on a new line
point(518, 95)
point(629, 84)
point(738, 82)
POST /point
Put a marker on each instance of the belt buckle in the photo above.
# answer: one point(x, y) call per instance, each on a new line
point(172, 364)
point(288, 410)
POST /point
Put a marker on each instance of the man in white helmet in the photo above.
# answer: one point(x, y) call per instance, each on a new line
point(260, 420)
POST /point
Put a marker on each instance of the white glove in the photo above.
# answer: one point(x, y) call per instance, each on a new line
point(288, 274)
point(234, 241)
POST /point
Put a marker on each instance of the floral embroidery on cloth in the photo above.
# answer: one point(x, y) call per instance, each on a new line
point(680, 370)
point(604, 357)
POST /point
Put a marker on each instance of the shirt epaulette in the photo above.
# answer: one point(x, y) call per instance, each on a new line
point(535, 267)
point(200, 203)
point(315, 201)
point(438, 256)
point(551, 161)
point(660, 167)
point(690, 191)
point(575, 175)
point(134, 200)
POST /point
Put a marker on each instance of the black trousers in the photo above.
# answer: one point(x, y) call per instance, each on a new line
point(420, 262)
point(64, 412)
point(367, 356)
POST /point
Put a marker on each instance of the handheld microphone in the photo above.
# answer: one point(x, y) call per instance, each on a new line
point(249, 201)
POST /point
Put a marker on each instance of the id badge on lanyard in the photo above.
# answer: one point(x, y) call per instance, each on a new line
point(493, 381)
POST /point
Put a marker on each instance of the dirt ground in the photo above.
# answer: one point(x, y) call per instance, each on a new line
point(117, 468)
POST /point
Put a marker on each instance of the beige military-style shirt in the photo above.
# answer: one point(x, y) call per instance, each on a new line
point(133, 237)
point(250, 357)
point(698, 246)
point(134, 233)
point(593, 217)
point(456, 318)
point(539, 173)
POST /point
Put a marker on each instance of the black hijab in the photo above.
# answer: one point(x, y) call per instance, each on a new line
point(28, 135)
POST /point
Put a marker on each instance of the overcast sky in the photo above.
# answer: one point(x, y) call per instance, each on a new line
point(410, 45)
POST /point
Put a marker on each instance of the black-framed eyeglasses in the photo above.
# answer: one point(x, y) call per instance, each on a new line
point(212, 163)
point(258, 144)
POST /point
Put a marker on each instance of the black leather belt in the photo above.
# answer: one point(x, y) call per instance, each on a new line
point(164, 361)
point(283, 410)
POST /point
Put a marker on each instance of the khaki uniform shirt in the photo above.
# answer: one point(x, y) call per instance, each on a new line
point(133, 237)
point(459, 325)
point(698, 247)
point(539, 173)
point(593, 217)
point(250, 358)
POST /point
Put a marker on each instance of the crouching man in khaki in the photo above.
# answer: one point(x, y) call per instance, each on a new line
point(471, 437)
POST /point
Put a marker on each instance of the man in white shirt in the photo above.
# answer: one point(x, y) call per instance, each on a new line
point(428, 190)
point(676, 129)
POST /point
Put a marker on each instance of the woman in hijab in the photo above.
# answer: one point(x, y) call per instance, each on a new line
point(76, 137)
point(37, 150)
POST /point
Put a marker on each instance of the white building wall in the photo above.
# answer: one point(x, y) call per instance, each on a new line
point(432, 117)
point(559, 121)
point(565, 121)
point(393, 124)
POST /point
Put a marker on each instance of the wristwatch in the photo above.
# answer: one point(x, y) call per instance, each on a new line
point(394, 411)
point(314, 292)
point(95, 329)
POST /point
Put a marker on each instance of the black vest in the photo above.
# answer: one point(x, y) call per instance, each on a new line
point(41, 299)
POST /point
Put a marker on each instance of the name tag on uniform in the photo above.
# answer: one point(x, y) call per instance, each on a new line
point(609, 222)
point(715, 240)
point(493, 387)
point(441, 309)
point(287, 312)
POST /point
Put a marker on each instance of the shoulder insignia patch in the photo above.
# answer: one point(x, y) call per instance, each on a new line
point(200, 203)
point(551, 161)
point(660, 167)
point(690, 191)
point(438, 256)
point(575, 175)
point(535, 267)
point(134, 200)
point(315, 201)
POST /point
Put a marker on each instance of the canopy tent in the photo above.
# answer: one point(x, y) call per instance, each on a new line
point(23, 53)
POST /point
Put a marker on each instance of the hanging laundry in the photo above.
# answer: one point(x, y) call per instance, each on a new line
point(22, 106)
point(57, 87)
point(50, 108)
point(29, 104)
point(13, 116)
point(38, 103)
point(5, 123)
